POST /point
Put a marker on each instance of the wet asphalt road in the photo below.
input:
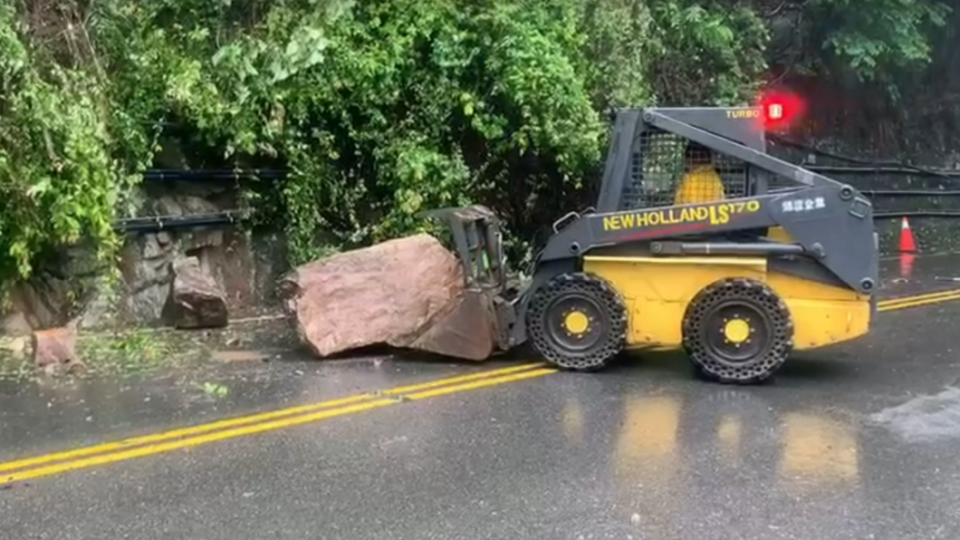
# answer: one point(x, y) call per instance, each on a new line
point(857, 442)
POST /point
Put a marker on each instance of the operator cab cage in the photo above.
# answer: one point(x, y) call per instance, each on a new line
point(646, 205)
point(657, 158)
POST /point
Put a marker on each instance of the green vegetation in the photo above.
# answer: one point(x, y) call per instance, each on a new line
point(381, 108)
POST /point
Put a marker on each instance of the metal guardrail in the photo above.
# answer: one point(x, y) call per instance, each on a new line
point(160, 175)
point(231, 217)
point(883, 169)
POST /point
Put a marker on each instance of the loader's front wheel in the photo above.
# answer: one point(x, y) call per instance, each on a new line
point(577, 322)
point(737, 331)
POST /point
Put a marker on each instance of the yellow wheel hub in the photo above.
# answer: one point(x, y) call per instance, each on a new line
point(736, 330)
point(576, 322)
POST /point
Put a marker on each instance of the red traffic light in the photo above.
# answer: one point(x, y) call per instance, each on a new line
point(780, 109)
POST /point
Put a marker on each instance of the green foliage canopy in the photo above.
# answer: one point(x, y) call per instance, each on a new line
point(378, 109)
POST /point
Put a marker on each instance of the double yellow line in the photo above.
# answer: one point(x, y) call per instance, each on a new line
point(111, 452)
point(919, 300)
point(81, 458)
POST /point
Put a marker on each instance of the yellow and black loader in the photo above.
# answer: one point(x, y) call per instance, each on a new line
point(699, 240)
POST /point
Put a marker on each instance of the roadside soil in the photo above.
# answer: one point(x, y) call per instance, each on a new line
point(152, 352)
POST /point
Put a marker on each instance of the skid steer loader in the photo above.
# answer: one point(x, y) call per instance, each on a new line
point(699, 240)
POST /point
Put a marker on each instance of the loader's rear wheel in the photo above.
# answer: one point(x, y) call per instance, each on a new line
point(737, 331)
point(577, 322)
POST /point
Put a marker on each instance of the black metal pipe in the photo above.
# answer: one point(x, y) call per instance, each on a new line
point(176, 174)
point(162, 223)
point(160, 175)
point(158, 226)
point(918, 213)
point(836, 169)
point(911, 192)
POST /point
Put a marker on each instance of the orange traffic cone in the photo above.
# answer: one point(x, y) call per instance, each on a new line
point(907, 243)
point(906, 265)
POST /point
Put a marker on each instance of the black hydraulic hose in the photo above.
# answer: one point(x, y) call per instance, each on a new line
point(733, 248)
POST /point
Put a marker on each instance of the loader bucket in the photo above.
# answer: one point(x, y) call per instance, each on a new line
point(477, 241)
point(478, 322)
point(466, 328)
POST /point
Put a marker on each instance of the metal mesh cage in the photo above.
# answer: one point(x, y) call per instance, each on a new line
point(667, 169)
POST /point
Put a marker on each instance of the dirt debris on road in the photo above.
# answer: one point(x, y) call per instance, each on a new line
point(143, 351)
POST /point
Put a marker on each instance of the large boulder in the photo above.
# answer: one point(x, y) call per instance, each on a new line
point(196, 299)
point(405, 293)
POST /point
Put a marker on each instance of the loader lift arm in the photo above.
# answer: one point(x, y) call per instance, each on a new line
point(823, 220)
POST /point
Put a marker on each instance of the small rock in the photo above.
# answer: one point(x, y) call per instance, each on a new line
point(15, 324)
point(73, 367)
point(239, 356)
point(153, 248)
point(55, 349)
point(197, 301)
point(17, 346)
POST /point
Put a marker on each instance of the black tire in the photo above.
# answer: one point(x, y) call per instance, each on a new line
point(548, 322)
point(749, 304)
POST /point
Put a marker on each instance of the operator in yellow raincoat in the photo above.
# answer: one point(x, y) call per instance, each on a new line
point(701, 183)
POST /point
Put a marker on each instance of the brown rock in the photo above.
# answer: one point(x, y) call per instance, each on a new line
point(54, 349)
point(404, 293)
point(240, 356)
point(15, 324)
point(196, 300)
point(16, 346)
